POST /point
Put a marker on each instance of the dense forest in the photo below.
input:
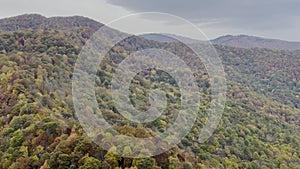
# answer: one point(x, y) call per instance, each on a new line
point(39, 129)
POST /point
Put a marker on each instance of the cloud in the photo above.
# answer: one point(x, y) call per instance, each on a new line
point(96, 9)
point(240, 14)
point(268, 18)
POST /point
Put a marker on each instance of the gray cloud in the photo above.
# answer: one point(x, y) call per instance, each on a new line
point(240, 14)
point(266, 18)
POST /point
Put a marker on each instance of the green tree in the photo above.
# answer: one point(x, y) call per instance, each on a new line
point(145, 163)
point(111, 158)
point(16, 139)
point(90, 163)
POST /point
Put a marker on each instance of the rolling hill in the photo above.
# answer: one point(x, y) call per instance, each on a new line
point(245, 41)
point(36, 21)
point(38, 127)
point(239, 41)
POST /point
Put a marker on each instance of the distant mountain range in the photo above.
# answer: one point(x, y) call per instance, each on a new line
point(245, 41)
point(168, 38)
point(239, 41)
point(36, 21)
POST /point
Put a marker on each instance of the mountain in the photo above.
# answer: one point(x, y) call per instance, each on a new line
point(38, 127)
point(244, 41)
point(36, 21)
point(239, 41)
point(169, 38)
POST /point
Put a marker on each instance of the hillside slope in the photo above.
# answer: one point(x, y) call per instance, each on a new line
point(38, 126)
point(244, 41)
point(36, 21)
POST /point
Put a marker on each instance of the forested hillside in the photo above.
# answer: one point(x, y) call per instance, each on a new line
point(245, 41)
point(39, 129)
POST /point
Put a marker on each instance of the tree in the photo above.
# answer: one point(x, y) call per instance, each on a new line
point(111, 158)
point(90, 163)
point(16, 139)
point(173, 162)
point(145, 163)
point(64, 161)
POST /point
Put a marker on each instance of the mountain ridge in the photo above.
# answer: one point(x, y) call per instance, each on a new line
point(39, 129)
point(38, 21)
point(238, 41)
point(247, 41)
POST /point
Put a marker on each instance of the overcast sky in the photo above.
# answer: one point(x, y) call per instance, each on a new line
point(278, 19)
